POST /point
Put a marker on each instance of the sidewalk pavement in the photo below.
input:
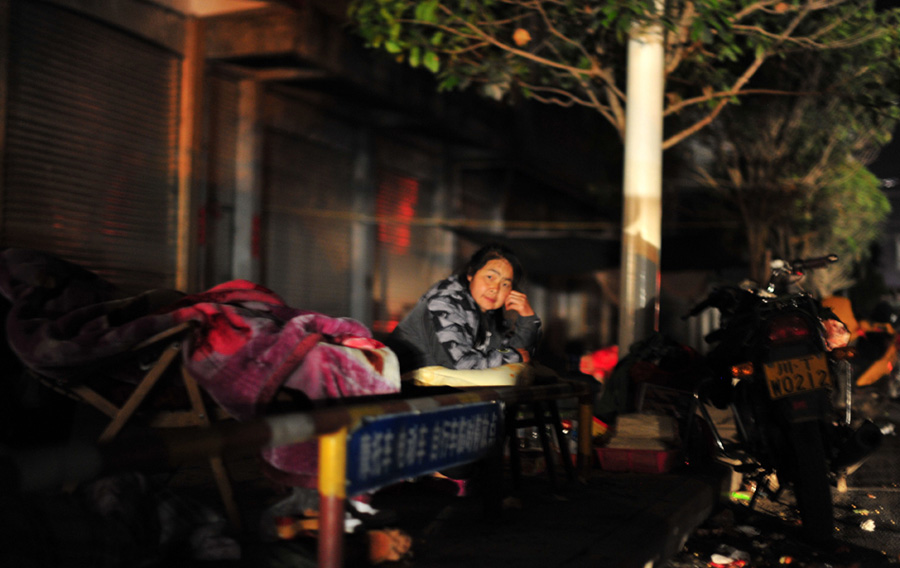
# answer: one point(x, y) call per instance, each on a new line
point(610, 520)
point(613, 520)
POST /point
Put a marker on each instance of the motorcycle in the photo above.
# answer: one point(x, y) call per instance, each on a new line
point(775, 362)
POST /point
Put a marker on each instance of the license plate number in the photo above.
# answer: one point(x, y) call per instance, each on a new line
point(799, 375)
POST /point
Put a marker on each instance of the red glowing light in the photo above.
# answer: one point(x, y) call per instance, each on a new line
point(395, 208)
point(788, 328)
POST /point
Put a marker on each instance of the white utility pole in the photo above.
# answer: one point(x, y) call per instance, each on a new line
point(642, 209)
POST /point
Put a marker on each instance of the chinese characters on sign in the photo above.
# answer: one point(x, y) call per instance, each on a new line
point(395, 447)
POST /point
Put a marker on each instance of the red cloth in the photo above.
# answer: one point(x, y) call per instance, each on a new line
point(600, 363)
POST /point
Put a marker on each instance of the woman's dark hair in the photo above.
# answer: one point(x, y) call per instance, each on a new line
point(494, 251)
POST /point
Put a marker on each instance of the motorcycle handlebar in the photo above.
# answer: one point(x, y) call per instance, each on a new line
point(698, 308)
point(719, 298)
point(815, 262)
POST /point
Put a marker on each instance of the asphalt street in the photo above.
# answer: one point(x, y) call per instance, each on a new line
point(869, 513)
point(866, 526)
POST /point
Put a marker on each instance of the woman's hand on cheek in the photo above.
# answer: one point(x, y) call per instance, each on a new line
point(526, 357)
point(518, 302)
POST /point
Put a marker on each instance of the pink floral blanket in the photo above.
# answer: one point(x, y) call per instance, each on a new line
point(246, 344)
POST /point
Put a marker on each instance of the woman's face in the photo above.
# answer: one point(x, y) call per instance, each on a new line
point(491, 285)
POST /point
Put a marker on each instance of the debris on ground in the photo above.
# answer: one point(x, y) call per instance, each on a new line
point(769, 535)
point(727, 557)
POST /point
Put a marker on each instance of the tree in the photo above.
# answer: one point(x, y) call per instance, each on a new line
point(795, 166)
point(853, 212)
point(569, 52)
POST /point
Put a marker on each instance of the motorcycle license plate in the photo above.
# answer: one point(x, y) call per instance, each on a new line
point(798, 375)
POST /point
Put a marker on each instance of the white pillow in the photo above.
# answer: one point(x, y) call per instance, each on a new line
point(503, 376)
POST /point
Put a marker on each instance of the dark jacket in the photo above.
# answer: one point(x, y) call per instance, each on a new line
point(447, 328)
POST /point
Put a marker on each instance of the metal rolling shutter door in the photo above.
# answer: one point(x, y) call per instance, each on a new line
point(413, 250)
point(406, 249)
point(307, 208)
point(219, 210)
point(90, 170)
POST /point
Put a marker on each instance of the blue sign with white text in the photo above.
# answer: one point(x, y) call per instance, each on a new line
point(390, 448)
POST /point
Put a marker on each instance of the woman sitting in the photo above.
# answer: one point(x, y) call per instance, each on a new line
point(476, 319)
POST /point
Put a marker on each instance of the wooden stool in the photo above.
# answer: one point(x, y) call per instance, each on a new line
point(540, 415)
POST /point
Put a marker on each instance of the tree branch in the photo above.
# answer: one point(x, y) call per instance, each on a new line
point(736, 88)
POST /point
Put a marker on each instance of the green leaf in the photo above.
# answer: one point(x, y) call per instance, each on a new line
point(427, 11)
point(392, 46)
point(449, 82)
point(432, 62)
point(610, 12)
point(414, 56)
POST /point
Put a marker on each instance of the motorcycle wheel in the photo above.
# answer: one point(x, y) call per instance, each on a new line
point(811, 486)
